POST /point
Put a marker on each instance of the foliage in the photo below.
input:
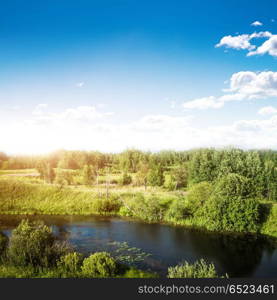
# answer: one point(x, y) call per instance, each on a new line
point(64, 177)
point(155, 176)
point(88, 175)
point(148, 209)
point(230, 208)
point(99, 264)
point(180, 175)
point(106, 205)
point(169, 182)
point(70, 263)
point(199, 269)
point(178, 210)
point(32, 243)
point(125, 179)
point(198, 196)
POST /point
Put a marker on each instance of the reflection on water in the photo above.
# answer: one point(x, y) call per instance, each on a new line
point(241, 256)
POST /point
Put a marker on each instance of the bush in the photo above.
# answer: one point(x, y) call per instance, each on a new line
point(230, 208)
point(125, 179)
point(178, 210)
point(198, 195)
point(150, 209)
point(70, 263)
point(99, 264)
point(169, 183)
point(3, 244)
point(34, 244)
point(106, 205)
point(155, 176)
point(200, 269)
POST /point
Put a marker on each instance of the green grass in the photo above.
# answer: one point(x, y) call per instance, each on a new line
point(22, 196)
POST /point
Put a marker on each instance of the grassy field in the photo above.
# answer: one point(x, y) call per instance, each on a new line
point(30, 195)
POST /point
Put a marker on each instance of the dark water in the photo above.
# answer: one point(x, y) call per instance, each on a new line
point(168, 245)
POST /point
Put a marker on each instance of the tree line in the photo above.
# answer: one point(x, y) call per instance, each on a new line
point(171, 169)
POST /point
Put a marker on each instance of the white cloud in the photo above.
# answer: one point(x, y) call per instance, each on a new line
point(80, 84)
point(245, 85)
point(243, 42)
point(151, 132)
point(269, 47)
point(203, 103)
point(268, 110)
point(83, 114)
point(257, 23)
point(236, 42)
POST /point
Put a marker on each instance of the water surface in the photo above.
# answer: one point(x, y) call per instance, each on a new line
point(238, 256)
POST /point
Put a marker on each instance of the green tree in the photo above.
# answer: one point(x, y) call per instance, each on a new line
point(231, 206)
point(88, 175)
point(155, 176)
point(198, 196)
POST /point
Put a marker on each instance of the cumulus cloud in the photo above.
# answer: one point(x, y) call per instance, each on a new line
point(267, 110)
point(244, 42)
point(269, 47)
point(236, 42)
point(257, 23)
point(244, 85)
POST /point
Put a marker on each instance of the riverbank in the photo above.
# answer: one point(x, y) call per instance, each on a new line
point(25, 198)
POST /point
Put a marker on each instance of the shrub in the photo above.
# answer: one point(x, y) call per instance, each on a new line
point(88, 175)
point(99, 264)
point(70, 263)
point(169, 183)
point(125, 179)
point(3, 244)
point(34, 244)
point(198, 195)
point(155, 176)
point(106, 205)
point(178, 210)
point(199, 269)
point(146, 209)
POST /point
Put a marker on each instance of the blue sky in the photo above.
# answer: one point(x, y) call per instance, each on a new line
point(109, 75)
